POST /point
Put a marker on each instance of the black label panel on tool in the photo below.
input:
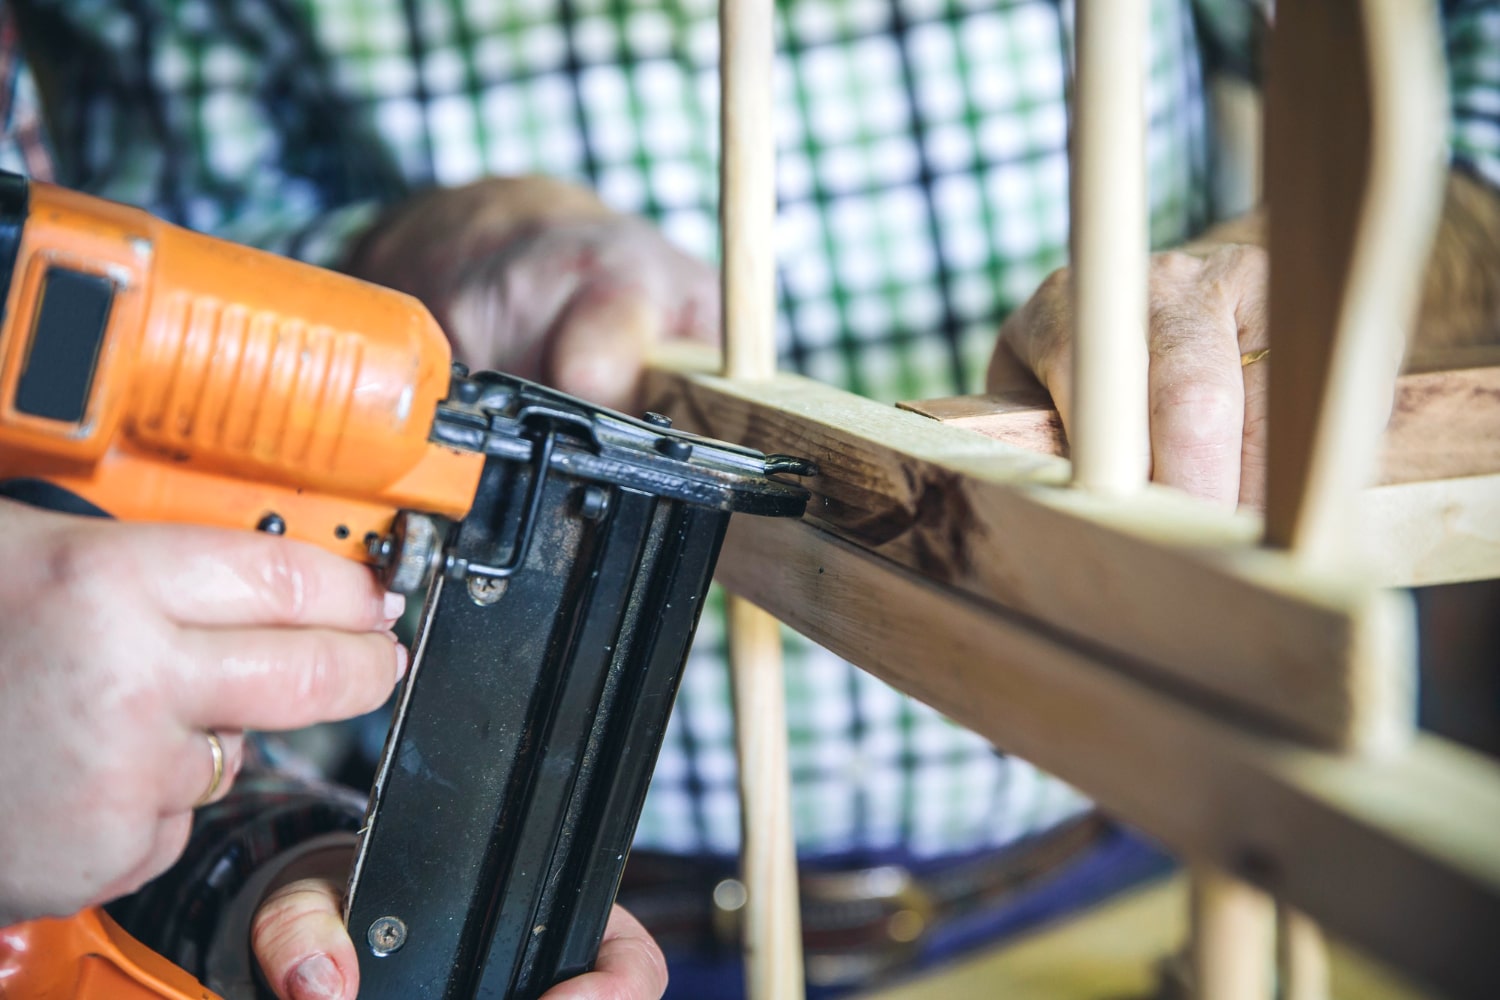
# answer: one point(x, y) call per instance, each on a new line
point(64, 354)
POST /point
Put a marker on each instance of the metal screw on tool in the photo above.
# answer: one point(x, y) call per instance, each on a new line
point(386, 935)
point(378, 547)
point(272, 524)
point(674, 448)
point(485, 589)
point(659, 419)
point(593, 502)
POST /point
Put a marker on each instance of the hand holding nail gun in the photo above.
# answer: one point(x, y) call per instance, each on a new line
point(562, 552)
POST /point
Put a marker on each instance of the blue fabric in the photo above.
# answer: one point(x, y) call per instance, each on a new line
point(1121, 859)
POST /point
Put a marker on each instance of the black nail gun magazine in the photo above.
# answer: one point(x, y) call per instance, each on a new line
point(545, 668)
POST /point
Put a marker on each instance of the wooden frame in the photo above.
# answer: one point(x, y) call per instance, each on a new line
point(1247, 697)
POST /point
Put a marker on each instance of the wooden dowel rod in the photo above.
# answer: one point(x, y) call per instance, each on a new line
point(773, 922)
point(1301, 956)
point(1109, 248)
point(1232, 927)
point(747, 210)
point(747, 197)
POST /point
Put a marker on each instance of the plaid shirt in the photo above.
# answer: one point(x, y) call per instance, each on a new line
point(923, 194)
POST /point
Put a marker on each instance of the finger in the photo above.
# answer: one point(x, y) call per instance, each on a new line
point(1055, 372)
point(600, 344)
point(700, 317)
point(196, 771)
point(298, 937)
point(1250, 315)
point(504, 304)
point(630, 966)
point(1253, 448)
point(278, 679)
point(1035, 345)
point(1197, 399)
point(206, 576)
point(1006, 373)
point(699, 314)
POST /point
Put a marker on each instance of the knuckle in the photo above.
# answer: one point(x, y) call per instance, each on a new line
point(1227, 270)
point(1241, 269)
point(1195, 413)
point(1055, 284)
point(79, 560)
point(1191, 323)
point(317, 672)
point(1174, 266)
point(1044, 319)
point(1049, 307)
point(1246, 258)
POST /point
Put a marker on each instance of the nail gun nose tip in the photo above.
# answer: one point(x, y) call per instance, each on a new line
point(791, 464)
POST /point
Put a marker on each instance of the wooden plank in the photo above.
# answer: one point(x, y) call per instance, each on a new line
point(1172, 585)
point(1394, 852)
point(1445, 423)
point(1354, 181)
point(1445, 531)
point(1021, 418)
point(1434, 518)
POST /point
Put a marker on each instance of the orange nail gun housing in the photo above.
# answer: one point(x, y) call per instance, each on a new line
point(167, 376)
point(204, 381)
point(87, 957)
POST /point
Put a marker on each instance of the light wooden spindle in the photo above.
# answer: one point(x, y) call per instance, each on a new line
point(1231, 938)
point(1110, 243)
point(772, 920)
point(1354, 174)
point(1301, 956)
point(1354, 177)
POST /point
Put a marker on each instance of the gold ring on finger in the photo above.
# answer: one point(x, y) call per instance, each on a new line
point(215, 747)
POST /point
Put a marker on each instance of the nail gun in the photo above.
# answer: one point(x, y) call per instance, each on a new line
point(564, 552)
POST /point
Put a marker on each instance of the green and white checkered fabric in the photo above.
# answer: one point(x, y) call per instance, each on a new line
point(923, 194)
point(1473, 49)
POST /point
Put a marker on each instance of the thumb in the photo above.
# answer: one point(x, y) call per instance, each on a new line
point(299, 939)
point(600, 343)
